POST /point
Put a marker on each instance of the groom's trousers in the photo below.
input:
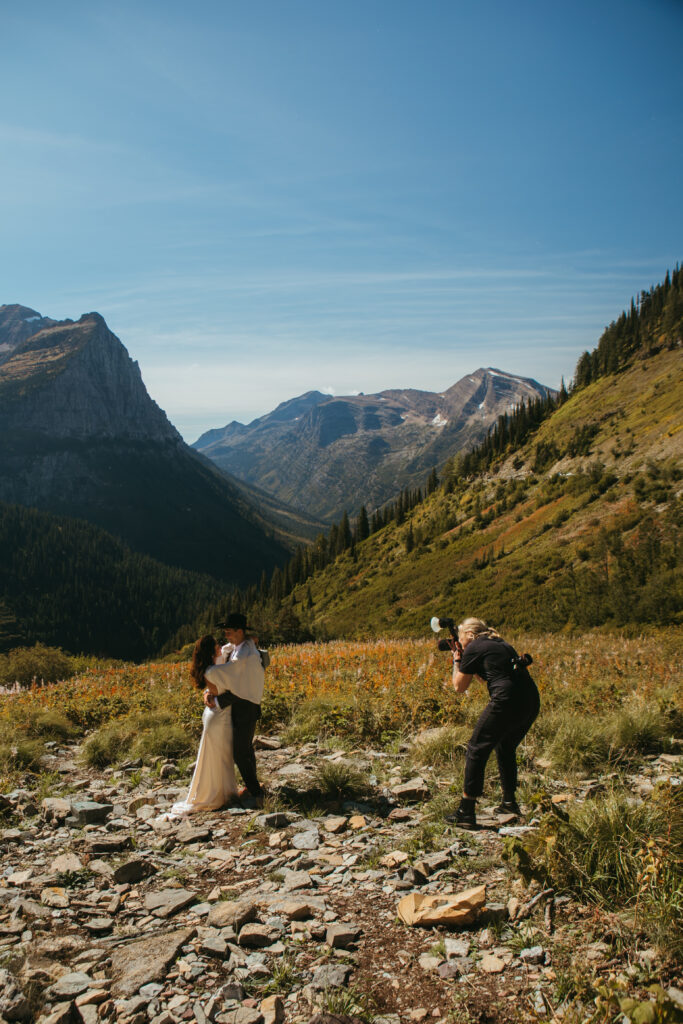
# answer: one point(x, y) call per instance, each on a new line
point(245, 715)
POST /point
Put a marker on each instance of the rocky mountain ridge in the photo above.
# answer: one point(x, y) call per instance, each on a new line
point(326, 454)
point(17, 323)
point(95, 388)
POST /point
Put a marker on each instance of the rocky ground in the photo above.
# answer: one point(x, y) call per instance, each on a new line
point(110, 912)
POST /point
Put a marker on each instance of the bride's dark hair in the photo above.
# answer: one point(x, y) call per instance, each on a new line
point(202, 656)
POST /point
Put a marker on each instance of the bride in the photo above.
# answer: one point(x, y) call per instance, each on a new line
point(213, 783)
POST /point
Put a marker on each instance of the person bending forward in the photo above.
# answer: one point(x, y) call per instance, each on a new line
point(513, 706)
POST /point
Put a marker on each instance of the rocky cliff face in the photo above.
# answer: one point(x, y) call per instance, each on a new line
point(77, 381)
point(326, 454)
point(81, 437)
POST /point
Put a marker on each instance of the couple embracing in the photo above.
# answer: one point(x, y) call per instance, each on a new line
point(232, 679)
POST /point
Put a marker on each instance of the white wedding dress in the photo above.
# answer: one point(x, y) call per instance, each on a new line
point(213, 783)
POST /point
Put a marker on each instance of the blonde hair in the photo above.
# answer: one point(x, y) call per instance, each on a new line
point(477, 627)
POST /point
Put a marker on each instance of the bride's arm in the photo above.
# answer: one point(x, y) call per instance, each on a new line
point(209, 694)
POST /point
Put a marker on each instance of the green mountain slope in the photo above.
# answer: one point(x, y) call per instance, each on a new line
point(594, 542)
point(567, 515)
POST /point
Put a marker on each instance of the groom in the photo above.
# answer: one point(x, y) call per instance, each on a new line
point(244, 679)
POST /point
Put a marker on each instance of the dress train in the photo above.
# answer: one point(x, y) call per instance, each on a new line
point(213, 782)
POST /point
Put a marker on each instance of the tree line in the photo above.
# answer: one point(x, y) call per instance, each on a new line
point(67, 583)
point(653, 320)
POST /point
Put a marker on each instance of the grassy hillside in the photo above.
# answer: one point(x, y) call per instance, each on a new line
point(566, 515)
point(580, 526)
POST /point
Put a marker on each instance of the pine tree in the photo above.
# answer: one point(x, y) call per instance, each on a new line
point(410, 539)
point(344, 540)
point(363, 527)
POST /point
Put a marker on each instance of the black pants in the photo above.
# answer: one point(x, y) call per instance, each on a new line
point(245, 715)
point(502, 726)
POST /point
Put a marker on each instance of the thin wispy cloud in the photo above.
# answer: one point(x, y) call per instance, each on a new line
point(338, 197)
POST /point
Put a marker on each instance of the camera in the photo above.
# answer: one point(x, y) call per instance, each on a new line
point(437, 625)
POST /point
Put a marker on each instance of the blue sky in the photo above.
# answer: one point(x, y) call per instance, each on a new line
point(268, 196)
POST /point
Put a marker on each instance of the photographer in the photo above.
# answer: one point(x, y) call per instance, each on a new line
point(513, 706)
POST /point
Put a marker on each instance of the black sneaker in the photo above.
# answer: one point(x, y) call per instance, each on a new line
point(463, 818)
point(508, 807)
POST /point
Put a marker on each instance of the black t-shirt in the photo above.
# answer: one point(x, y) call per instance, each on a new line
point(494, 660)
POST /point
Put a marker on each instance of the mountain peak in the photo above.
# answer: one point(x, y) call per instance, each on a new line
point(323, 453)
point(17, 324)
point(83, 438)
point(83, 359)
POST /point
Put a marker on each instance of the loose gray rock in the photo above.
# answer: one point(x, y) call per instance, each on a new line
point(267, 743)
point(297, 910)
point(62, 1015)
point(494, 912)
point(71, 985)
point(215, 947)
point(243, 1015)
point(306, 841)
point(187, 834)
point(167, 902)
point(414, 878)
point(87, 812)
point(453, 968)
point(151, 990)
point(109, 843)
point(276, 820)
point(231, 914)
point(55, 809)
point(88, 1014)
point(294, 880)
point(433, 862)
point(532, 955)
point(335, 824)
point(413, 790)
point(515, 830)
point(145, 960)
point(342, 936)
point(66, 862)
point(255, 936)
point(144, 800)
point(456, 947)
point(54, 896)
point(232, 990)
point(99, 925)
point(13, 1003)
point(330, 976)
point(133, 871)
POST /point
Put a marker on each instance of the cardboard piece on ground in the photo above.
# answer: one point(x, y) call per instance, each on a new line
point(458, 909)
